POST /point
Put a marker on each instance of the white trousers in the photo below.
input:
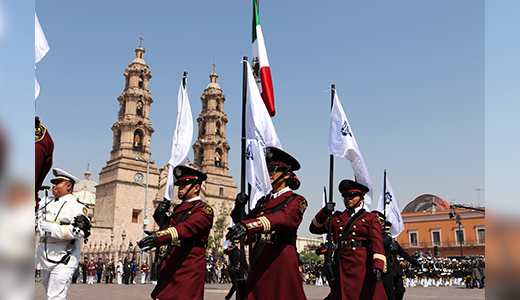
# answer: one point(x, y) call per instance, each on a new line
point(119, 278)
point(90, 279)
point(143, 278)
point(56, 282)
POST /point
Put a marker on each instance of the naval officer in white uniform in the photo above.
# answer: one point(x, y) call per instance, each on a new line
point(62, 223)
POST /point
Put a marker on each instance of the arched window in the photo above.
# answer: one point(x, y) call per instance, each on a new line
point(139, 110)
point(203, 129)
point(141, 80)
point(138, 140)
point(217, 129)
point(201, 157)
point(117, 139)
point(218, 158)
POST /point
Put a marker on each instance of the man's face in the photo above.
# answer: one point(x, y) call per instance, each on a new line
point(352, 200)
point(184, 186)
point(61, 189)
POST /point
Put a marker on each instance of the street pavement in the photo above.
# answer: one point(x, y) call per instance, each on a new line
point(81, 291)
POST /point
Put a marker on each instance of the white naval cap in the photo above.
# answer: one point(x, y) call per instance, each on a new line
point(60, 175)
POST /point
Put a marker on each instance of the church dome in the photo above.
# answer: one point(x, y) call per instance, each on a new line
point(426, 202)
point(213, 82)
point(85, 190)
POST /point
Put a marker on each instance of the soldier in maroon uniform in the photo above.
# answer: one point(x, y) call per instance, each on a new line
point(274, 272)
point(44, 147)
point(360, 256)
point(183, 267)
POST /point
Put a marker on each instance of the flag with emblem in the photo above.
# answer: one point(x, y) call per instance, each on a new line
point(261, 68)
point(182, 137)
point(260, 133)
point(389, 206)
point(343, 143)
point(41, 47)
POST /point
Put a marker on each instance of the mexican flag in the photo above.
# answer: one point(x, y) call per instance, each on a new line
point(260, 64)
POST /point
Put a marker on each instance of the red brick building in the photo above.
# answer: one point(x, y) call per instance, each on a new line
point(430, 222)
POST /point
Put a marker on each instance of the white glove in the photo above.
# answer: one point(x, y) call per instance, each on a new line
point(46, 226)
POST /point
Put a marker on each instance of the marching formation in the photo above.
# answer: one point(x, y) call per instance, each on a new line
point(362, 259)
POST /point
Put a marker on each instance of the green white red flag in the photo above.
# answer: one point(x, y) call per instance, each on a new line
point(260, 63)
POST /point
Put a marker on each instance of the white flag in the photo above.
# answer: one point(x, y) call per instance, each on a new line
point(182, 137)
point(41, 47)
point(393, 214)
point(343, 143)
point(260, 133)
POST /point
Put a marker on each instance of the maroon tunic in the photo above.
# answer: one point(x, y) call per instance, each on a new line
point(276, 274)
point(183, 271)
point(91, 268)
point(44, 147)
point(357, 280)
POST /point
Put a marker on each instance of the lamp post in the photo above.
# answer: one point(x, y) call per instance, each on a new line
point(454, 214)
point(145, 219)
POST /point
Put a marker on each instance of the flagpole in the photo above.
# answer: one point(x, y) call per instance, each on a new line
point(328, 260)
point(240, 280)
point(384, 194)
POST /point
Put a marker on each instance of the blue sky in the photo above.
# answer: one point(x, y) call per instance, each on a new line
point(412, 77)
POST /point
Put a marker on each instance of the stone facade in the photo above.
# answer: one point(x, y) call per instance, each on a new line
point(119, 215)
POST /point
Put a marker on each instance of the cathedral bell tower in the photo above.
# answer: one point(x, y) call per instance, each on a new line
point(119, 213)
point(211, 148)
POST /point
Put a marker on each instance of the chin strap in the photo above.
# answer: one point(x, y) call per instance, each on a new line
point(281, 176)
point(188, 191)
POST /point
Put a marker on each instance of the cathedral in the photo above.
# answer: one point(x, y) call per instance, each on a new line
point(131, 185)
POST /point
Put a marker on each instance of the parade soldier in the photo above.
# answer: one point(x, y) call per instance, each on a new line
point(61, 224)
point(183, 266)
point(274, 271)
point(44, 147)
point(127, 269)
point(120, 271)
point(91, 270)
point(237, 261)
point(393, 278)
point(108, 271)
point(144, 272)
point(84, 269)
point(360, 256)
point(100, 266)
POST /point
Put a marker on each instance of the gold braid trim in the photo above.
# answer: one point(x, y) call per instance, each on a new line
point(383, 258)
point(66, 232)
point(265, 223)
point(316, 223)
point(174, 234)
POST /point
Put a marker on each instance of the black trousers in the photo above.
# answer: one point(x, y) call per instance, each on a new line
point(399, 288)
point(99, 276)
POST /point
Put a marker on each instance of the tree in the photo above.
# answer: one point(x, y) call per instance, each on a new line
point(310, 257)
point(216, 236)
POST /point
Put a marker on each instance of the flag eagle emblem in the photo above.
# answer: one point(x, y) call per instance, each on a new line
point(249, 152)
point(345, 130)
point(388, 198)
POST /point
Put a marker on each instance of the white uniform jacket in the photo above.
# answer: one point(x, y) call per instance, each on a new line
point(61, 214)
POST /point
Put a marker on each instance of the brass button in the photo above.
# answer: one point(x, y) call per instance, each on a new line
point(353, 233)
point(353, 248)
point(337, 221)
point(363, 220)
point(261, 213)
point(354, 226)
point(340, 228)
